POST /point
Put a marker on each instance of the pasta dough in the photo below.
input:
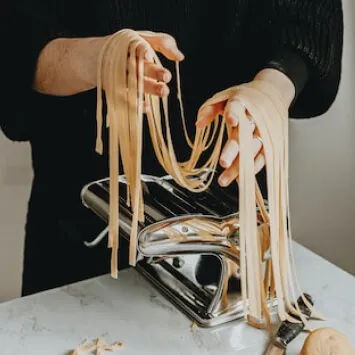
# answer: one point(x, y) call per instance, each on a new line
point(327, 341)
point(120, 76)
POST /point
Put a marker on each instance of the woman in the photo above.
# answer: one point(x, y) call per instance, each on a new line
point(49, 80)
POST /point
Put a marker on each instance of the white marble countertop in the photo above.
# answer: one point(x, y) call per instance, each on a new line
point(131, 311)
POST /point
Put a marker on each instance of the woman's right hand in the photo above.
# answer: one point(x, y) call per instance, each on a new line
point(68, 66)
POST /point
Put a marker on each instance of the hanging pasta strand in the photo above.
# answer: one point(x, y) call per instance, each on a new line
point(120, 75)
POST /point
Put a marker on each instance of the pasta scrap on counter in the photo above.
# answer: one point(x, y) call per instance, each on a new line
point(97, 345)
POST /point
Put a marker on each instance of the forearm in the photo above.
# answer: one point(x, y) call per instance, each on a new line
point(68, 66)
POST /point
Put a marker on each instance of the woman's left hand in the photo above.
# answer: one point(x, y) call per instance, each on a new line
point(232, 109)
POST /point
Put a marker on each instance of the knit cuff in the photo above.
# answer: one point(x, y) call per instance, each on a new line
point(291, 64)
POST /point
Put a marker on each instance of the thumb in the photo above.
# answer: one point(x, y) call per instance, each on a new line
point(209, 113)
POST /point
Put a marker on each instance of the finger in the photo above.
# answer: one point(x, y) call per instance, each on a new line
point(164, 44)
point(151, 69)
point(259, 163)
point(155, 88)
point(231, 173)
point(208, 113)
point(229, 153)
point(257, 145)
point(157, 72)
point(232, 132)
point(145, 51)
point(252, 122)
point(234, 109)
point(231, 150)
point(146, 107)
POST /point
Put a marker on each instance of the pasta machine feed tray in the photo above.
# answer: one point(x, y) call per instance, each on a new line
point(185, 248)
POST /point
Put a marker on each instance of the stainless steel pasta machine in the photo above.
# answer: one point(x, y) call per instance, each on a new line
point(187, 246)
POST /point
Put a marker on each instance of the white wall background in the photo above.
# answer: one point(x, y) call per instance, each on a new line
point(323, 168)
point(322, 181)
point(15, 181)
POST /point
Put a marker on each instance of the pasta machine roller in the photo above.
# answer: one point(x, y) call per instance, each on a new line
point(187, 246)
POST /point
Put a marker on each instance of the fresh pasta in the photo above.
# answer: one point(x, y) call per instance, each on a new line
point(120, 75)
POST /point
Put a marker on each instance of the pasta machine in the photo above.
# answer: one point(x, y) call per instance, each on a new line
point(187, 246)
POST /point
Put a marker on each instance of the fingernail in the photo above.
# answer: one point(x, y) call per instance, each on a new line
point(223, 163)
point(164, 91)
point(223, 181)
point(149, 56)
point(165, 76)
point(226, 161)
point(181, 56)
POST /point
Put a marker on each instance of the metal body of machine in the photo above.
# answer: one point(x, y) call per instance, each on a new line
point(183, 230)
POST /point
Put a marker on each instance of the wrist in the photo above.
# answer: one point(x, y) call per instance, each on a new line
point(280, 81)
point(85, 59)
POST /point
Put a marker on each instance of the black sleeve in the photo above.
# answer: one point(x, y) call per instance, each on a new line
point(306, 44)
point(25, 27)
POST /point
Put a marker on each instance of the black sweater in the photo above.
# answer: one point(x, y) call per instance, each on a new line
point(244, 35)
point(231, 40)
